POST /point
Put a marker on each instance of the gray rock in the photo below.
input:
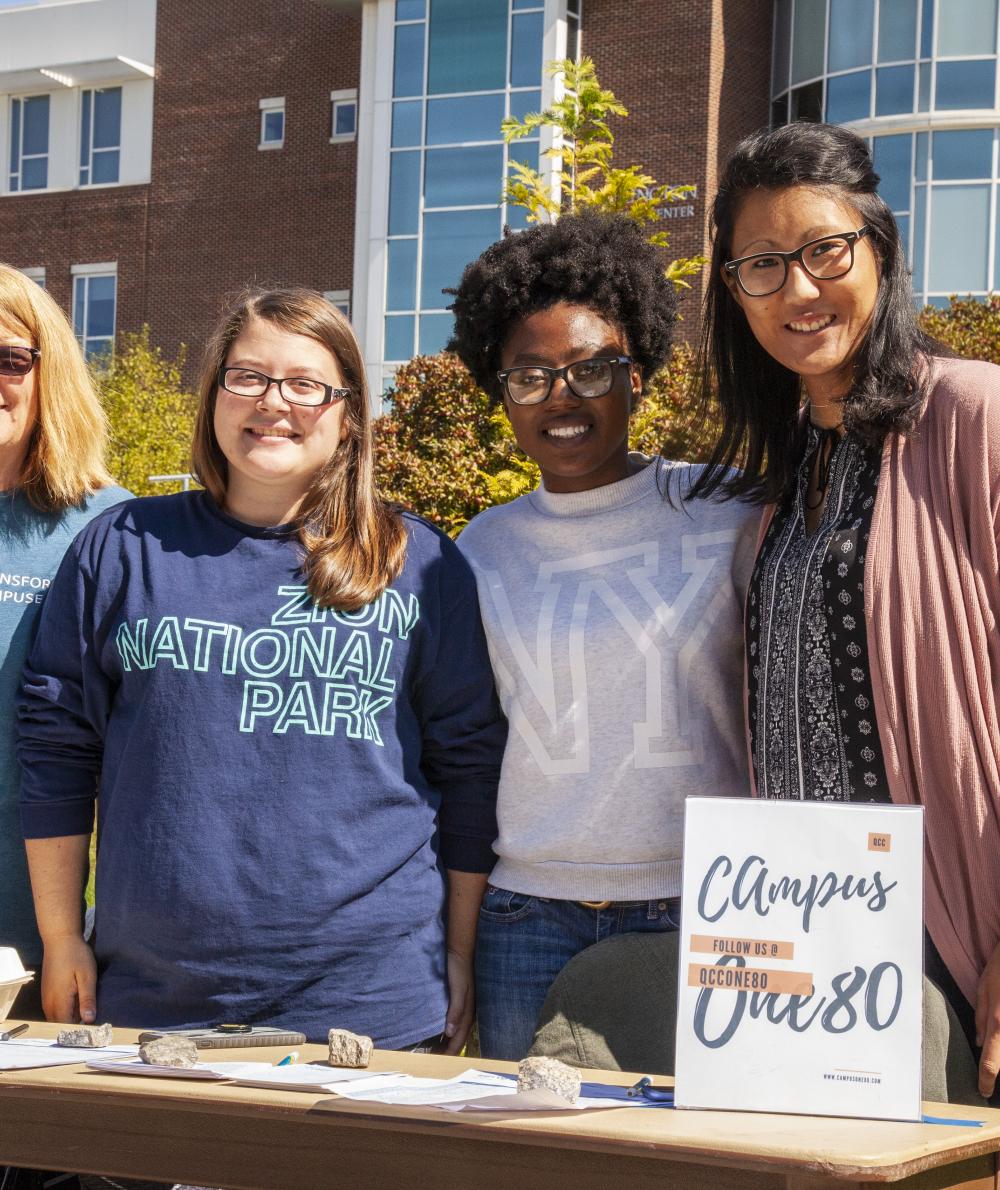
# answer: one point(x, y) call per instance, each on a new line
point(350, 1049)
point(549, 1074)
point(86, 1036)
point(169, 1051)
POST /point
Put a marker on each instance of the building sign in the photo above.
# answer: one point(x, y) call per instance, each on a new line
point(682, 209)
point(800, 971)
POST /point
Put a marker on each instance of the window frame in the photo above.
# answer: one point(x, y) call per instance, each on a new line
point(18, 175)
point(340, 299)
point(87, 273)
point(35, 273)
point(89, 133)
point(268, 107)
point(339, 99)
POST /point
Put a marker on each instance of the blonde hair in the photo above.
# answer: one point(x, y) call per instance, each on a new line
point(65, 459)
point(355, 543)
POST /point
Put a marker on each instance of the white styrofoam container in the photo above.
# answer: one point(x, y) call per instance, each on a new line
point(12, 978)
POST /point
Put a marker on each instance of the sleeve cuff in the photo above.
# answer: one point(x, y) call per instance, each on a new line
point(53, 819)
point(462, 854)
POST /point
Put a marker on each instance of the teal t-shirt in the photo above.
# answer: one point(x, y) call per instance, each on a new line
point(32, 545)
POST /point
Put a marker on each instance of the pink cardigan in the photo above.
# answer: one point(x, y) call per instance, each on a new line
point(932, 599)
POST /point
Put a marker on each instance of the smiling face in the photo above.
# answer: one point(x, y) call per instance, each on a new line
point(18, 412)
point(577, 443)
point(812, 327)
point(275, 449)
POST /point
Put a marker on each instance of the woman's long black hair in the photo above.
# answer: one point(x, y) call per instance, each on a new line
point(757, 397)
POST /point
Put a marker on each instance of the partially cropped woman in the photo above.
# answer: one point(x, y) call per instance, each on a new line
point(279, 687)
point(872, 645)
point(52, 481)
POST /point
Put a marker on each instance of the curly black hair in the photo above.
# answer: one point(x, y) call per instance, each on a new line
point(600, 261)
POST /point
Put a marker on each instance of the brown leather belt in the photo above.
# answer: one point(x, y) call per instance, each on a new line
point(598, 905)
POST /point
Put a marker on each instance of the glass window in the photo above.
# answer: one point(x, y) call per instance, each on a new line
point(967, 27)
point(807, 102)
point(345, 119)
point(959, 238)
point(399, 336)
point(100, 135)
point(897, 30)
point(921, 171)
point(808, 37)
point(94, 311)
point(526, 152)
point(893, 90)
point(408, 61)
point(407, 121)
point(451, 240)
point(851, 28)
point(779, 112)
point(996, 257)
point(272, 125)
point(924, 87)
point(404, 194)
point(524, 102)
point(927, 28)
point(401, 282)
point(848, 97)
point(29, 143)
point(410, 10)
point(519, 4)
point(892, 164)
point(963, 155)
point(919, 223)
point(468, 46)
point(435, 331)
point(463, 177)
point(963, 85)
point(525, 51)
point(782, 45)
point(473, 117)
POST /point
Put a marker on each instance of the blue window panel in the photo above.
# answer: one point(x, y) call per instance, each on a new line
point(522, 103)
point(921, 170)
point(995, 286)
point(401, 277)
point(35, 173)
point(108, 118)
point(919, 225)
point(963, 155)
point(903, 223)
point(897, 30)
point(85, 135)
point(892, 164)
point(274, 128)
point(939, 303)
point(852, 23)
point(451, 240)
point(408, 61)
point(345, 120)
point(966, 27)
point(399, 336)
point(927, 29)
point(526, 49)
point(404, 194)
point(79, 304)
point(893, 90)
point(782, 45)
point(100, 306)
point(463, 177)
point(848, 97)
point(15, 136)
point(407, 123)
point(525, 151)
point(411, 10)
point(35, 134)
point(435, 331)
point(516, 218)
point(924, 87)
point(807, 39)
point(468, 46)
point(455, 121)
point(959, 231)
point(519, 4)
point(106, 164)
point(963, 85)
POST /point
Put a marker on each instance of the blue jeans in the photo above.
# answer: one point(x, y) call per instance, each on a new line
point(524, 942)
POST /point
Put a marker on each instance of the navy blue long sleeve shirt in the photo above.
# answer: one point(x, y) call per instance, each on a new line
point(280, 785)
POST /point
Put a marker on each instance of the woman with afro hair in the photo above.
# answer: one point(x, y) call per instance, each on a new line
point(613, 611)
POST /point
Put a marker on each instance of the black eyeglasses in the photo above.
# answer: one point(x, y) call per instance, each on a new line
point(17, 361)
point(296, 390)
point(587, 378)
point(825, 259)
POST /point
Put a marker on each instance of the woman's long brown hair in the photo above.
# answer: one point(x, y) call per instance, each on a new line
point(354, 542)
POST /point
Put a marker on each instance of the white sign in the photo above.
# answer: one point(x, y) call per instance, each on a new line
point(801, 958)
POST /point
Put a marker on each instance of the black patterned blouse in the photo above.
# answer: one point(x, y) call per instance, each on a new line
point(812, 723)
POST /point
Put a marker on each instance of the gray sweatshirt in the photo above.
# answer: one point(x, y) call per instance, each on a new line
point(615, 628)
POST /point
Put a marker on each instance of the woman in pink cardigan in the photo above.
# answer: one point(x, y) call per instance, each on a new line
point(873, 655)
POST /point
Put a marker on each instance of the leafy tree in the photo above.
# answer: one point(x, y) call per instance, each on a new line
point(150, 412)
point(968, 326)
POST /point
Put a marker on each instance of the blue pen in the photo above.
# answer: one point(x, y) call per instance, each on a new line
point(289, 1059)
point(644, 1089)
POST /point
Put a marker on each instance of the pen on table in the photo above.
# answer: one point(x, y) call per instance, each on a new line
point(12, 1033)
point(644, 1089)
point(289, 1059)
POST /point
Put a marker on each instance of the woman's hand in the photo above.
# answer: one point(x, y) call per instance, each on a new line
point(988, 1024)
point(69, 980)
point(461, 1002)
point(465, 895)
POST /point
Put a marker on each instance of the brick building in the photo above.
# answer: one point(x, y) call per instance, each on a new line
point(160, 154)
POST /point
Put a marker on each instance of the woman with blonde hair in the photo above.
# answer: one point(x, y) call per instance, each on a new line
point(52, 481)
point(279, 689)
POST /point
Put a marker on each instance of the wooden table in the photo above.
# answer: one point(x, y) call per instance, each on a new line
point(244, 1139)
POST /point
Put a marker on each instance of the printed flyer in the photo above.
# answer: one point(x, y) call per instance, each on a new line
point(801, 958)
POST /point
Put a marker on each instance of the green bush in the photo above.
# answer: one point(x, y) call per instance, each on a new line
point(150, 412)
point(970, 327)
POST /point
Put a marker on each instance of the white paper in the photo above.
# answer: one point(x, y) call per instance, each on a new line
point(807, 913)
point(310, 1078)
point(32, 1053)
point(538, 1100)
point(206, 1071)
point(406, 1091)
